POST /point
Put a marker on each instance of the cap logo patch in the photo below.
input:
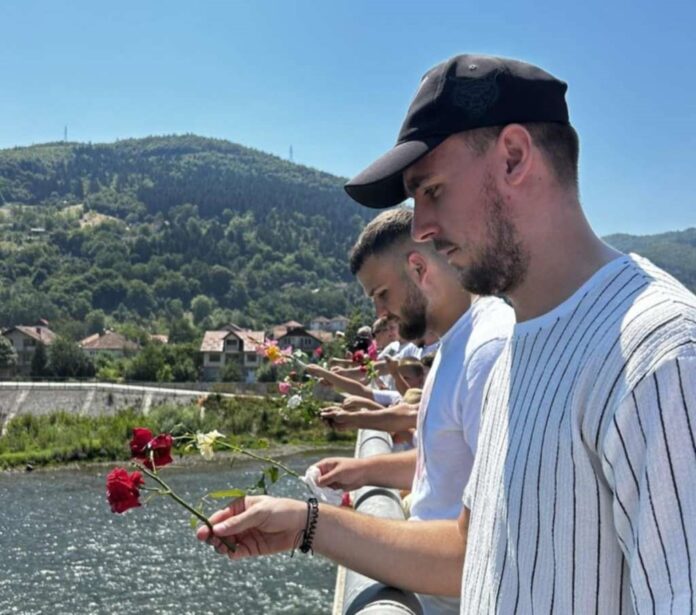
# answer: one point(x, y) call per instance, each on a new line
point(475, 96)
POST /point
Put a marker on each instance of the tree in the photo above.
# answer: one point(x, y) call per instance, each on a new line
point(201, 307)
point(147, 364)
point(8, 355)
point(95, 322)
point(181, 331)
point(67, 360)
point(231, 372)
point(39, 362)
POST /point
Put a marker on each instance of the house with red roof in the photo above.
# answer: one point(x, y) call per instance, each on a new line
point(109, 344)
point(25, 339)
point(232, 344)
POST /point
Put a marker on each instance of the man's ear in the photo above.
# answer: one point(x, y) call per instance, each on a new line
point(514, 149)
point(417, 267)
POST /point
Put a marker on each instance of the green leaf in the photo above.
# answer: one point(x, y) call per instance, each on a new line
point(272, 474)
point(228, 493)
point(261, 484)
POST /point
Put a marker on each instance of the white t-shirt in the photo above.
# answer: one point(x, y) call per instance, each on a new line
point(583, 493)
point(390, 350)
point(386, 397)
point(449, 416)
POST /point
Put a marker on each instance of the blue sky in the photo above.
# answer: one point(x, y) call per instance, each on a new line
point(333, 80)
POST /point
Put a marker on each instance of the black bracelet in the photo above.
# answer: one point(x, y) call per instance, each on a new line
point(306, 536)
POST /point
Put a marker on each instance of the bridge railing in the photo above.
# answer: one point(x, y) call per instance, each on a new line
point(357, 594)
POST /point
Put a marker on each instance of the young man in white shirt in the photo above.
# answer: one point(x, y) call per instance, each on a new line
point(472, 334)
point(583, 494)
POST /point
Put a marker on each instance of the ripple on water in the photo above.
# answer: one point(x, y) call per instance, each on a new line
point(64, 552)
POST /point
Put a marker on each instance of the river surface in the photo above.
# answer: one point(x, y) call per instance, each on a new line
point(62, 551)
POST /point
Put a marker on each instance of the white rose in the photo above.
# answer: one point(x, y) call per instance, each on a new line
point(294, 401)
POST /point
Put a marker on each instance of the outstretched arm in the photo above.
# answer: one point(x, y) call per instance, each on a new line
point(425, 557)
point(394, 470)
point(401, 417)
point(350, 386)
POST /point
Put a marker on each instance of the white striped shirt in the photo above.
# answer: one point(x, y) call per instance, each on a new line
point(583, 492)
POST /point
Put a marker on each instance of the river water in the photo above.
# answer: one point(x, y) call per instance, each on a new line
point(62, 551)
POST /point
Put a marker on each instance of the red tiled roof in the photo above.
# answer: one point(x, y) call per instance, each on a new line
point(39, 333)
point(109, 340)
point(300, 331)
point(324, 336)
point(214, 341)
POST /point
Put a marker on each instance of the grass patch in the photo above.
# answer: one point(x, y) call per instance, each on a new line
point(63, 437)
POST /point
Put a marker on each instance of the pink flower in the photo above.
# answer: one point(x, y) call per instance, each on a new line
point(372, 351)
point(318, 351)
point(284, 388)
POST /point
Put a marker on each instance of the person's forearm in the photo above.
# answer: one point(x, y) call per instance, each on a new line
point(368, 404)
point(350, 386)
point(393, 418)
point(339, 362)
point(400, 384)
point(394, 470)
point(357, 372)
point(420, 556)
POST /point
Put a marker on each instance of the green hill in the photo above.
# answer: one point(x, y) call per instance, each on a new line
point(674, 252)
point(144, 230)
point(139, 228)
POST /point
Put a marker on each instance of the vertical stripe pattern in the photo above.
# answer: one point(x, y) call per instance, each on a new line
point(583, 492)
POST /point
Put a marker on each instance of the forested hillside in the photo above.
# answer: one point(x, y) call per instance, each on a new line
point(145, 231)
point(674, 251)
point(139, 229)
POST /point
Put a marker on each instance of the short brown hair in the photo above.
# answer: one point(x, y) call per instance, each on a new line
point(389, 228)
point(558, 142)
point(381, 324)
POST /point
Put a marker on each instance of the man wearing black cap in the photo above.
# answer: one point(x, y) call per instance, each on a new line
point(583, 493)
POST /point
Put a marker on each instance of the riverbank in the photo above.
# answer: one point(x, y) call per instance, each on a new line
point(68, 439)
point(193, 460)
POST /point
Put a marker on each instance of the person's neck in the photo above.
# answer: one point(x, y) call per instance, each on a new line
point(449, 310)
point(564, 255)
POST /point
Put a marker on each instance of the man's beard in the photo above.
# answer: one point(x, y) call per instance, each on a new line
point(413, 318)
point(501, 265)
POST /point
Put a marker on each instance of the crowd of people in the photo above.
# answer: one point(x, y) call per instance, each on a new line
point(540, 384)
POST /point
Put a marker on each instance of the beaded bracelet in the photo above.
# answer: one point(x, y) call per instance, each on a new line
point(306, 536)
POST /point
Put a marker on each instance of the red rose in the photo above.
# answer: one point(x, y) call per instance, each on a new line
point(138, 445)
point(161, 447)
point(122, 489)
point(345, 499)
point(143, 444)
point(358, 356)
point(318, 351)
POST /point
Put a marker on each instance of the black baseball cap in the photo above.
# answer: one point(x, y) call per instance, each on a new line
point(462, 93)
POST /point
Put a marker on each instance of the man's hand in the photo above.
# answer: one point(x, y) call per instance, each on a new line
point(338, 418)
point(320, 374)
point(392, 366)
point(344, 473)
point(259, 525)
point(316, 370)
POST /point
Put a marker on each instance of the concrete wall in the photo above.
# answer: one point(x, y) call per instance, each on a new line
point(93, 399)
